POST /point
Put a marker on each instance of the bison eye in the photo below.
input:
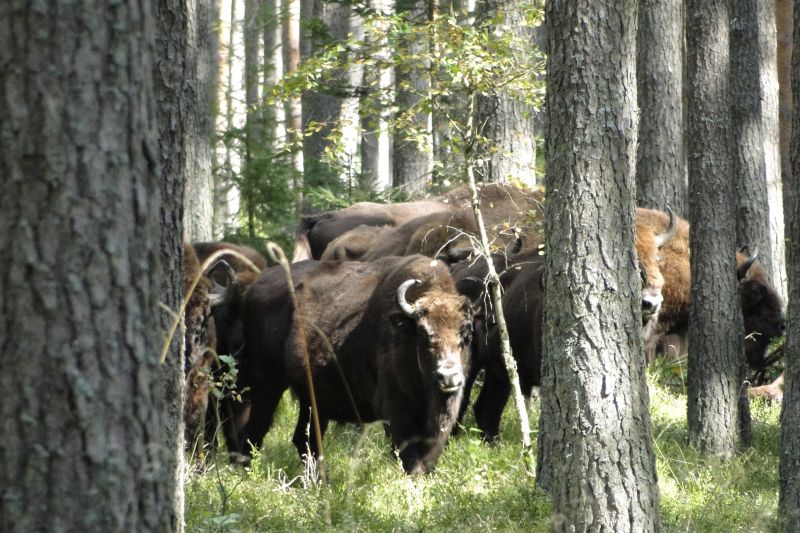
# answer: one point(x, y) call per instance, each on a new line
point(402, 322)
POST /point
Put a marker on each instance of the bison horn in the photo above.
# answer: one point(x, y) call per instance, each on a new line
point(751, 258)
point(222, 276)
point(401, 297)
point(663, 238)
point(517, 244)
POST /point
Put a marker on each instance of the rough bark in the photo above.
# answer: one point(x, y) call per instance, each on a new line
point(201, 76)
point(716, 330)
point(661, 178)
point(254, 139)
point(83, 428)
point(595, 438)
point(784, 27)
point(376, 169)
point(329, 110)
point(274, 115)
point(294, 113)
point(412, 162)
point(789, 503)
point(754, 121)
point(507, 122)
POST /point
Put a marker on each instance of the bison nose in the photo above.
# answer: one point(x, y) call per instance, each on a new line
point(650, 305)
point(449, 376)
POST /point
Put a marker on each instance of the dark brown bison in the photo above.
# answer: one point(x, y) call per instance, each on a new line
point(204, 319)
point(199, 345)
point(503, 206)
point(761, 304)
point(522, 276)
point(205, 249)
point(400, 332)
point(353, 244)
point(315, 232)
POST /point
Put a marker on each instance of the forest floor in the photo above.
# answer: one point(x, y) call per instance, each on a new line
point(476, 487)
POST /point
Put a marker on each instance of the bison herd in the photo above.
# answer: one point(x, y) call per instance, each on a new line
point(387, 304)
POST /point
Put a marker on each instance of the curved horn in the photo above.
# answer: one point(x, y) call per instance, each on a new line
point(751, 258)
point(517, 244)
point(401, 296)
point(663, 238)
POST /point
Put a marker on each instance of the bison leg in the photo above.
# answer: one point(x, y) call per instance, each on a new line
point(491, 402)
point(462, 409)
point(305, 438)
point(263, 401)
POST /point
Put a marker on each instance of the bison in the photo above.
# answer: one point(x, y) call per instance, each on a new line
point(400, 337)
point(503, 205)
point(761, 304)
point(522, 276)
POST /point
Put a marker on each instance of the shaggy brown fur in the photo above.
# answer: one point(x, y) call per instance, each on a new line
point(761, 305)
point(353, 244)
point(393, 363)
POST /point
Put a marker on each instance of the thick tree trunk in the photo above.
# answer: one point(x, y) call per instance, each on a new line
point(661, 178)
point(376, 163)
point(716, 329)
point(506, 121)
point(200, 95)
point(85, 441)
point(595, 435)
point(789, 506)
point(294, 112)
point(412, 162)
point(254, 139)
point(784, 26)
point(754, 121)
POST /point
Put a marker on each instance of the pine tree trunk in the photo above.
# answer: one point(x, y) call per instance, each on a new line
point(294, 112)
point(85, 440)
point(661, 178)
point(784, 27)
point(754, 120)
point(412, 163)
point(595, 436)
point(716, 329)
point(376, 169)
point(507, 122)
point(789, 505)
point(200, 95)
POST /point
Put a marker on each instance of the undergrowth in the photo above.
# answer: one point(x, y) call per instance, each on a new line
point(476, 486)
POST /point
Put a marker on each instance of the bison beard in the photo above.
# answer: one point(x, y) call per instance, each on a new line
point(400, 333)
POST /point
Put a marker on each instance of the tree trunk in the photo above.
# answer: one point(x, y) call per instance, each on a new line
point(507, 122)
point(784, 26)
point(85, 440)
point(254, 139)
point(200, 95)
point(294, 114)
point(376, 163)
point(412, 164)
point(595, 436)
point(660, 160)
point(789, 505)
point(274, 116)
point(716, 328)
point(754, 121)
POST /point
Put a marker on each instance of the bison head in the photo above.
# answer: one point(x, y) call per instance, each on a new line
point(441, 322)
point(648, 244)
point(761, 307)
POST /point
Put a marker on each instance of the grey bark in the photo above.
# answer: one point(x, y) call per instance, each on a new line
point(754, 120)
point(85, 441)
point(254, 139)
point(201, 76)
point(412, 162)
point(273, 114)
point(375, 143)
point(507, 122)
point(595, 438)
point(294, 113)
point(715, 317)
point(784, 27)
point(789, 503)
point(661, 176)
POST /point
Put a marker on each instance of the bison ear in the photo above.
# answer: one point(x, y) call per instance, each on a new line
point(222, 277)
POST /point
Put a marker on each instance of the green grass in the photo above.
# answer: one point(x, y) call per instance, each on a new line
point(476, 487)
